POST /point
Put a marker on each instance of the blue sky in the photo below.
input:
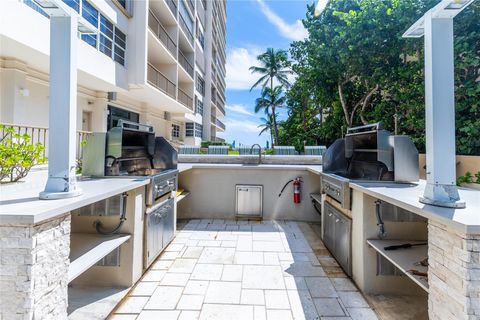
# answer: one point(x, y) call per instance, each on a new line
point(253, 26)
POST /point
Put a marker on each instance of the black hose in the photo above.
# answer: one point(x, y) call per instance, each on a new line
point(286, 184)
point(99, 225)
point(380, 224)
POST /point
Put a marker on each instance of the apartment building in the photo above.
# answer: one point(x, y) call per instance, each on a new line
point(160, 62)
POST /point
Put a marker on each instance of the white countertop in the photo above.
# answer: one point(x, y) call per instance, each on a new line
point(316, 169)
point(20, 205)
point(406, 196)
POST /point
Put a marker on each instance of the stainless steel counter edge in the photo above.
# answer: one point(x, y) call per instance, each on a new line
point(29, 210)
point(406, 196)
point(182, 167)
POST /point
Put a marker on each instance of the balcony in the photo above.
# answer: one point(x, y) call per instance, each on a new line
point(185, 63)
point(159, 81)
point(160, 32)
point(213, 96)
point(172, 4)
point(185, 99)
point(191, 5)
point(220, 124)
point(186, 30)
point(221, 108)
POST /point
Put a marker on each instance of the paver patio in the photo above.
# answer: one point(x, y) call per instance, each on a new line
point(226, 269)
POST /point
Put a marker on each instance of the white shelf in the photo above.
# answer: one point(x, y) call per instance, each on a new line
point(404, 259)
point(182, 196)
point(87, 249)
point(317, 197)
point(92, 302)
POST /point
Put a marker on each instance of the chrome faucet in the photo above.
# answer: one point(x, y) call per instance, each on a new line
point(259, 152)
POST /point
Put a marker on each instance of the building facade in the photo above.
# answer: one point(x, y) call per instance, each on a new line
point(159, 62)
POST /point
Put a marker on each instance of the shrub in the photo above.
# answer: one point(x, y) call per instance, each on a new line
point(18, 155)
point(206, 144)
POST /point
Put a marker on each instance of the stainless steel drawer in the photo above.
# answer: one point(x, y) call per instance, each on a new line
point(249, 201)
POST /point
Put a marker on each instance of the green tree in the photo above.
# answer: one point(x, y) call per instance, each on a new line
point(274, 66)
point(267, 125)
point(269, 101)
point(355, 68)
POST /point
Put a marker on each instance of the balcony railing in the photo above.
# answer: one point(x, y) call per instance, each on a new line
point(172, 4)
point(162, 34)
point(222, 109)
point(191, 5)
point(220, 124)
point(185, 99)
point(158, 80)
point(214, 96)
point(185, 63)
point(40, 135)
point(187, 31)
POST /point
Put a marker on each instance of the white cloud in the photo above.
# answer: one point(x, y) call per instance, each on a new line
point(242, 125)
point(239, 108)
point(295, 31)
point(238, 61)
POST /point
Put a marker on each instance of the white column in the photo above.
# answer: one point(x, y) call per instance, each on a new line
point(63, 109)
point(441, 186)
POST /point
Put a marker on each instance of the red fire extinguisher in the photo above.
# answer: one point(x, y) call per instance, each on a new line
point(297, 183)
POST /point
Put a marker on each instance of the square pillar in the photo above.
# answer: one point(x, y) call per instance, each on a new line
point(441, 188)
point(63, 109)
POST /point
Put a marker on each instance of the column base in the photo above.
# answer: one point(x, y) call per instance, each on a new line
point(442, 195)
point(46, 195)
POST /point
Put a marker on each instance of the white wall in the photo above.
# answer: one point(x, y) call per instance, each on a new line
point(213, 193)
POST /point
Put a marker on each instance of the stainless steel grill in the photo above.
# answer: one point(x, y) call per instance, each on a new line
point(367, 153)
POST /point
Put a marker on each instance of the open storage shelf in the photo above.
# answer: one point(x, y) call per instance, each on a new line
point(317, 197)
point(86, 249)
point(182, 195)
point(93, 302)
point(404, 259)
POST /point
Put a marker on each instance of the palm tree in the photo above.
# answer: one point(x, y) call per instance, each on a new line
point(267, 125)
point(274, 65)
point(269, 100)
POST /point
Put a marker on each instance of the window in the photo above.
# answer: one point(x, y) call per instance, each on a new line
point(185, 15)
point(74, 4)
point(120, 46)
point(90, 13)
point(198, 106)
point(115, 114)
point(200, 35)
point(91, 39)
point(200, 85)
point(175, 131)
point(106, 36)
point(193, 129)
point(123, 3)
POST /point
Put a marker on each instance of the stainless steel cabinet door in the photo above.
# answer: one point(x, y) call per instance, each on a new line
point(168, 222)
point(249, 200)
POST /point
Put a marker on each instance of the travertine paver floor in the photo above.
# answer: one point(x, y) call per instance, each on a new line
point(226, 269)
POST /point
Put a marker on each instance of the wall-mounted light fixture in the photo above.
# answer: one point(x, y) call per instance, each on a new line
point(24, 92)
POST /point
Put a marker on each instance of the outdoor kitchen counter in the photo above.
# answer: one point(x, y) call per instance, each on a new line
point(406, 196)
point(182, 167)
point(20, 205)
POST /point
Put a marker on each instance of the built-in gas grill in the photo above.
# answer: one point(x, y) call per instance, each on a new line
point(132, 150)
point(367, 153)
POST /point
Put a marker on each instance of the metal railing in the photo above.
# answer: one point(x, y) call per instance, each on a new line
point(172, 4)
point(213, 96)
point(185, 63)
point(158, 80)
point(187, 31)
point(222, 109)
point(220, 124)
point(157, 28)
point(185, 99)
point(40, 135)
point(191, 5)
